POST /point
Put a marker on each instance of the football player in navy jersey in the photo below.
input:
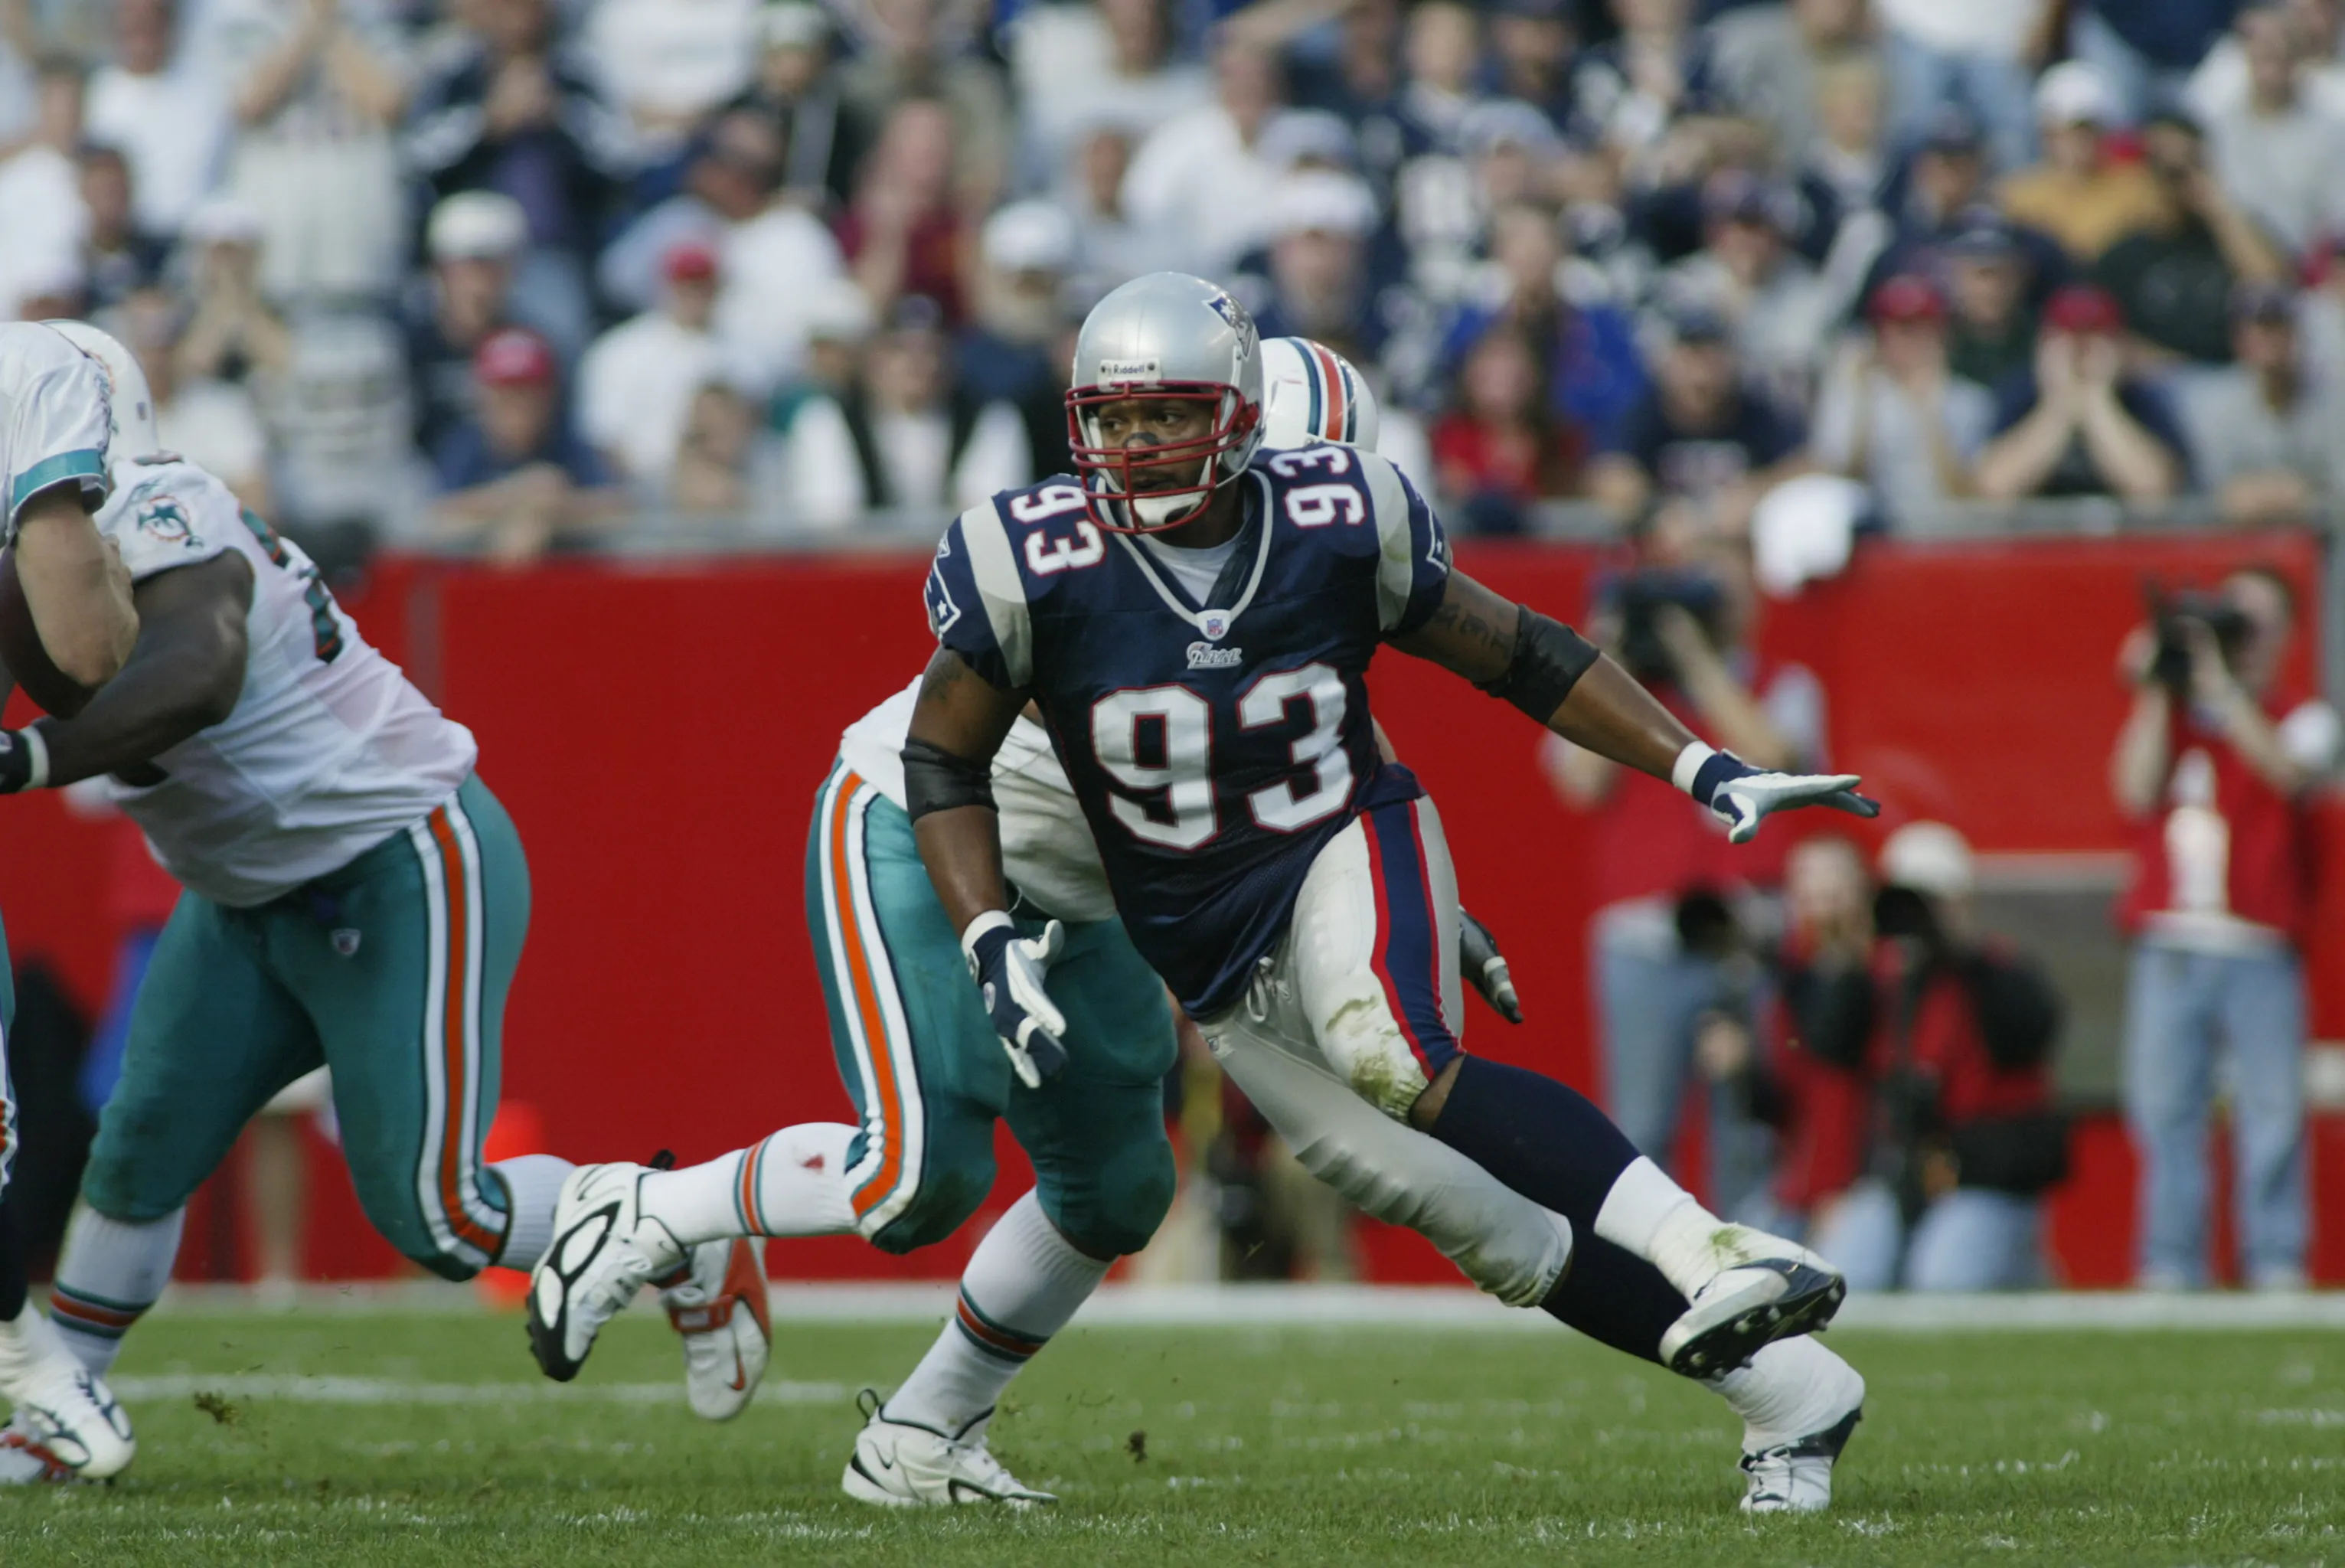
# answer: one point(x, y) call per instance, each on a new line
point(926, 1442)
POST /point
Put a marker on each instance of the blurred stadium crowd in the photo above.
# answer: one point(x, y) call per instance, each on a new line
point(506, 274)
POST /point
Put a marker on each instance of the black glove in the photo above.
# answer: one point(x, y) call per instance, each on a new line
point(1484, 969)
point(24, 761)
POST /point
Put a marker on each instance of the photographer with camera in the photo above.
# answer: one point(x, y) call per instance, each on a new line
point(1669, 885)
point(2215, 766)
point(1907, 1071)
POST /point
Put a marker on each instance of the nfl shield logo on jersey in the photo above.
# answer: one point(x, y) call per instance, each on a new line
point(1215, 624)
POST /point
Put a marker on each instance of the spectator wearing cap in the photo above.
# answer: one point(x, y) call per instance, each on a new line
point(2173, 273)
point(2267, 430)
point(1993, 285)
point(234, 333)
point(1893, 415)
point(2146, 49)
point(772, 255)
point(213, 424)
point(1944, 199)
point(169, 119)
point(2278, 152)
point(317, 93)
point(1770, 60)
point(667, 63)
point(1198, 185)
point(118, 257)
point(1011, 353)
point(2220, 85)
point(1587, 350)
point(906, 232)
point(1506, 152)
point(925, 49)
point(2077, 423)
point(795, 89)
point(40, 191)
point(1317, 283)
point(512, 478)
point(1746, 271)
point(904, 438)
point(1980, 56)
point(2078, 193)
point(1498, 449)
point(637, 380)
point(473, 239)
point(1076, 66)
point(512, 107)
point(1705, 435)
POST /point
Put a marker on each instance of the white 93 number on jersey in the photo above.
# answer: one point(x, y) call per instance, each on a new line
point(1316, 505)
point(1045, 554)
point(1179, 765)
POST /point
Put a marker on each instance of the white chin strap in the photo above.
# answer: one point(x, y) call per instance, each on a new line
point(1158, 510)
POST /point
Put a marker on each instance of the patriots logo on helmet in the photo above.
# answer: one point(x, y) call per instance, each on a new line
point(1230, 311)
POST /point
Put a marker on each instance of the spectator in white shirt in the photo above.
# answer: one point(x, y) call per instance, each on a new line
point(1110, 247)
point(2279, 152)
point(2219, 85)
point(1077, 64)
point(40, 192)
point(1981, 53)
point(2268, 431)
point(1892, 414)
point(666, 62)
point(904, 438)
point(170, 120)
point(210, 422)
point(637, 383)
point(1198, 183)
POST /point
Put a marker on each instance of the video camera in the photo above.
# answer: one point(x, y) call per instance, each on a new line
point(1636, 596)
point(2171, 666)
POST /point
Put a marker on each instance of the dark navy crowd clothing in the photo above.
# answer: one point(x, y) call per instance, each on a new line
point(2076, 473)
point(1215, 748)
point(1754, 432)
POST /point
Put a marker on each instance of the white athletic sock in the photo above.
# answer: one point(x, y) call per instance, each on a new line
point(1021, 1285)
point(1791, 1389)
point(110, 1272)
point(1648, 1214)
point(27, 1341)
point(792, 1184)
point(533, 1186)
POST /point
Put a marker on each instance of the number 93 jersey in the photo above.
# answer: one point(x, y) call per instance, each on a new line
point(1216, 738)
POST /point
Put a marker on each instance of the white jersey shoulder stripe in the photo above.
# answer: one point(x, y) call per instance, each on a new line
point(994, 565)
point(1397, 546)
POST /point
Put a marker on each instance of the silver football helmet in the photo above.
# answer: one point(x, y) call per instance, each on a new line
point(1170, 336)
point(1311, 392)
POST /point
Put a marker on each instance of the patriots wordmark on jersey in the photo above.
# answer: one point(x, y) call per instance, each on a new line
point(1216, 741)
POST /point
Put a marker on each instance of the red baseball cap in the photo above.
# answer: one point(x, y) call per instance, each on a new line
point(2084, 311)
point(514, 357)
point(689, 261)
point(1907, 298)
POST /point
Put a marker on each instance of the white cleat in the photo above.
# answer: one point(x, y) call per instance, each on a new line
point(720, 1311)
point(897, 1464)
point(1797, 1477)
point(1770, 1290)
point(25, 1462)
point(604, 1251)
point(61, 1409)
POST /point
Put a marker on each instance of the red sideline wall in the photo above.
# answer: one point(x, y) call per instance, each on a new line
point(658, 733)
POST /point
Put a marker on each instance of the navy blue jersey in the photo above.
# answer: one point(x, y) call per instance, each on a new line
point(1216, 748)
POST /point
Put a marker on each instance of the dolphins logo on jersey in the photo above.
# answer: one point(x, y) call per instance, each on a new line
point(166, 520)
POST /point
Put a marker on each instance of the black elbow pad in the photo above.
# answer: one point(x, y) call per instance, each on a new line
point(1550, 658)
point(935, 780)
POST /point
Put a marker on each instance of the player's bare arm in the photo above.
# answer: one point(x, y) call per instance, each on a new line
point(75, 586)
point(184, 675)
point(1572, 688)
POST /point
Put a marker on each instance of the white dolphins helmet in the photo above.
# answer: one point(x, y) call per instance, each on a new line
point(133, 405)
point(1311, 392)
point(1166, 335)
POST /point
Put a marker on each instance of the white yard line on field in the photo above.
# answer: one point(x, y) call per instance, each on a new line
point(337, 1390)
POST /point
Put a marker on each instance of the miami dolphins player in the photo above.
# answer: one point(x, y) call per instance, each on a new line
point(54, 425)
point(902, 1014)
point(355, 897)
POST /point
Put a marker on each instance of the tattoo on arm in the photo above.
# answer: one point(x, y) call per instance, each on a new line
point(946, 670)
point(1467, 626)
point(1471, 633)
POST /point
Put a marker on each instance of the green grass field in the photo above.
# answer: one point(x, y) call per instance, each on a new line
point(431, 1439)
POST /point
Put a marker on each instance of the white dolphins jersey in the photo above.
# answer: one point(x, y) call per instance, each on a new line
point(1046, 846)
point(330, 749)
point(55, 419)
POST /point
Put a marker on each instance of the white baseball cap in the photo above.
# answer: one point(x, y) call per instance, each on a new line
point(2075, 92)
point(1033, 236)
point(223, 220)
point(1929, 858)
point(1321, 200)
point(476, 226)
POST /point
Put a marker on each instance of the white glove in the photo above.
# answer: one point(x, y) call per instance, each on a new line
point(1009, 972)
point(1743, 796)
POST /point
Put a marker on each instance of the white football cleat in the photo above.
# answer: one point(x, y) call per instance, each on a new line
point(604, 1251)
point(1771, 1290)
point(720, 1311)
point(25, 1462)
point(61, 1409)
point(898, 1464)
point(1797, 1477)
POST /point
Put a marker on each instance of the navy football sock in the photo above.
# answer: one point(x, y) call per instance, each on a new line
point(1543, 1138)
point(12, 1264)
point(1615, 1297)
